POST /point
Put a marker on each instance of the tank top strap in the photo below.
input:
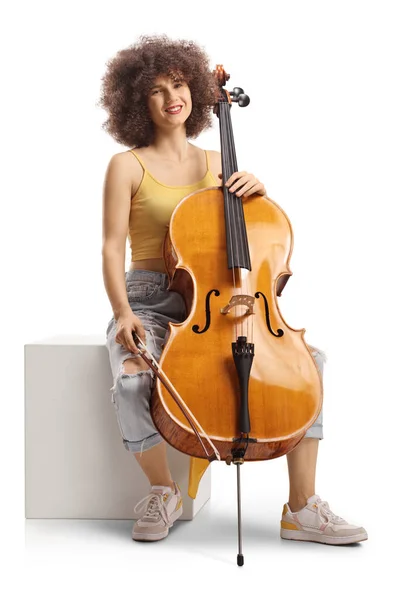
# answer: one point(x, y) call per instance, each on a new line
point(139, 159)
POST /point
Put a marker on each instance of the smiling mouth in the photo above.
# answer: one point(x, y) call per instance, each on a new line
point(174, 110)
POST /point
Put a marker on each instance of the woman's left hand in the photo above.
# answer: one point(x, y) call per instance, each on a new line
point(247, 183)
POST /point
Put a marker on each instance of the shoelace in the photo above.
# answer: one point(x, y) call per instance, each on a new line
point(324, 510)
point(155, 508)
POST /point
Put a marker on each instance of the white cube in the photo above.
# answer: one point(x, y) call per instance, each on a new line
point(75, 463)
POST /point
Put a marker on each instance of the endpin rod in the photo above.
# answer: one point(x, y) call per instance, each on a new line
point(240, 558)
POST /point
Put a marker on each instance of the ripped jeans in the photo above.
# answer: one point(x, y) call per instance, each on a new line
point(155, 306)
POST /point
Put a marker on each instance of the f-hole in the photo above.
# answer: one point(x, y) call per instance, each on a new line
point(195, 328)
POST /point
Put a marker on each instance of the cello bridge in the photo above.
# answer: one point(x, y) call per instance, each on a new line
point(240, 300)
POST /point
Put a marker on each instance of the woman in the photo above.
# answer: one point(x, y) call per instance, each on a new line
point(159, 94)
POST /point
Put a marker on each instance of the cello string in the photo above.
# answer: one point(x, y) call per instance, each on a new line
point(239, 231)
point(225, 159)
point(248, 321)
point(231, 203)
point(232, 207)
point(234, 202)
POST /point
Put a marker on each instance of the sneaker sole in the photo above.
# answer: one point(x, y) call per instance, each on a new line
point(154, 537)
point(309, 536)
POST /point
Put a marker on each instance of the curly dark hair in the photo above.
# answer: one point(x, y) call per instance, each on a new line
point(131, 74)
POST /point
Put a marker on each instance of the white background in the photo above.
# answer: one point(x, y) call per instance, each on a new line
point(322, 132)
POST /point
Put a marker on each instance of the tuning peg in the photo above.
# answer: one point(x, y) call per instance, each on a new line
point(239, 96)
point(237, 91)
point(243, 100)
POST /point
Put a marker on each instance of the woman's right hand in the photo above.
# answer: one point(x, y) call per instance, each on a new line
point(126, 323)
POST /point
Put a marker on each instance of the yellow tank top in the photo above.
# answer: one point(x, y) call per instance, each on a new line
point(151, 210)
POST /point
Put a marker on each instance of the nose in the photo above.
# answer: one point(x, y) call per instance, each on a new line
point(171, 95)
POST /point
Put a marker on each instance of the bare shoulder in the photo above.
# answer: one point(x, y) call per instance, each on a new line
point(128, 168)
point(215, 157)
point(122, 175)
point(215, 163)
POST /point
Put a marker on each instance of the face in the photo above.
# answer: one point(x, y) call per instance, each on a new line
point(169, 102)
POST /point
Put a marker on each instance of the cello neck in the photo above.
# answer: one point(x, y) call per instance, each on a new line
point(236, 235)
point(228, 150)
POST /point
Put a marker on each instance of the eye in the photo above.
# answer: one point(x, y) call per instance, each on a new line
point(178, 85)
point(155, 92)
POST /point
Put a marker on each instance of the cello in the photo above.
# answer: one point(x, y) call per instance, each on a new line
point(247, 385)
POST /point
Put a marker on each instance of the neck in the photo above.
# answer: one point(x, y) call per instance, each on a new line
point(172, 145)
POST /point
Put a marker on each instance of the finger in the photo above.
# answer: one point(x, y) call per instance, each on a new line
point(241, 183)
point(234, 177)
point(131, 346)
point(129, 343)
point(257, 189)
point(244, 189)
point(126, 340)
point(125, 344)
point(142, 334)
point(250, 189)
point(135, 343)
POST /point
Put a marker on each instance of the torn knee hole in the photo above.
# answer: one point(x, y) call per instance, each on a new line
point(134, 365)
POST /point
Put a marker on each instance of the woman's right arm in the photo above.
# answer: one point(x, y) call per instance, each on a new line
point(123, 177)
point(117, 190)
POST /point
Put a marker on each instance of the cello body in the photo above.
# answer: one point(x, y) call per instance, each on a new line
point(284, 384)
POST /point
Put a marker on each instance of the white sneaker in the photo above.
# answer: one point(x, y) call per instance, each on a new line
point(163, 507)
point(317, 523)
